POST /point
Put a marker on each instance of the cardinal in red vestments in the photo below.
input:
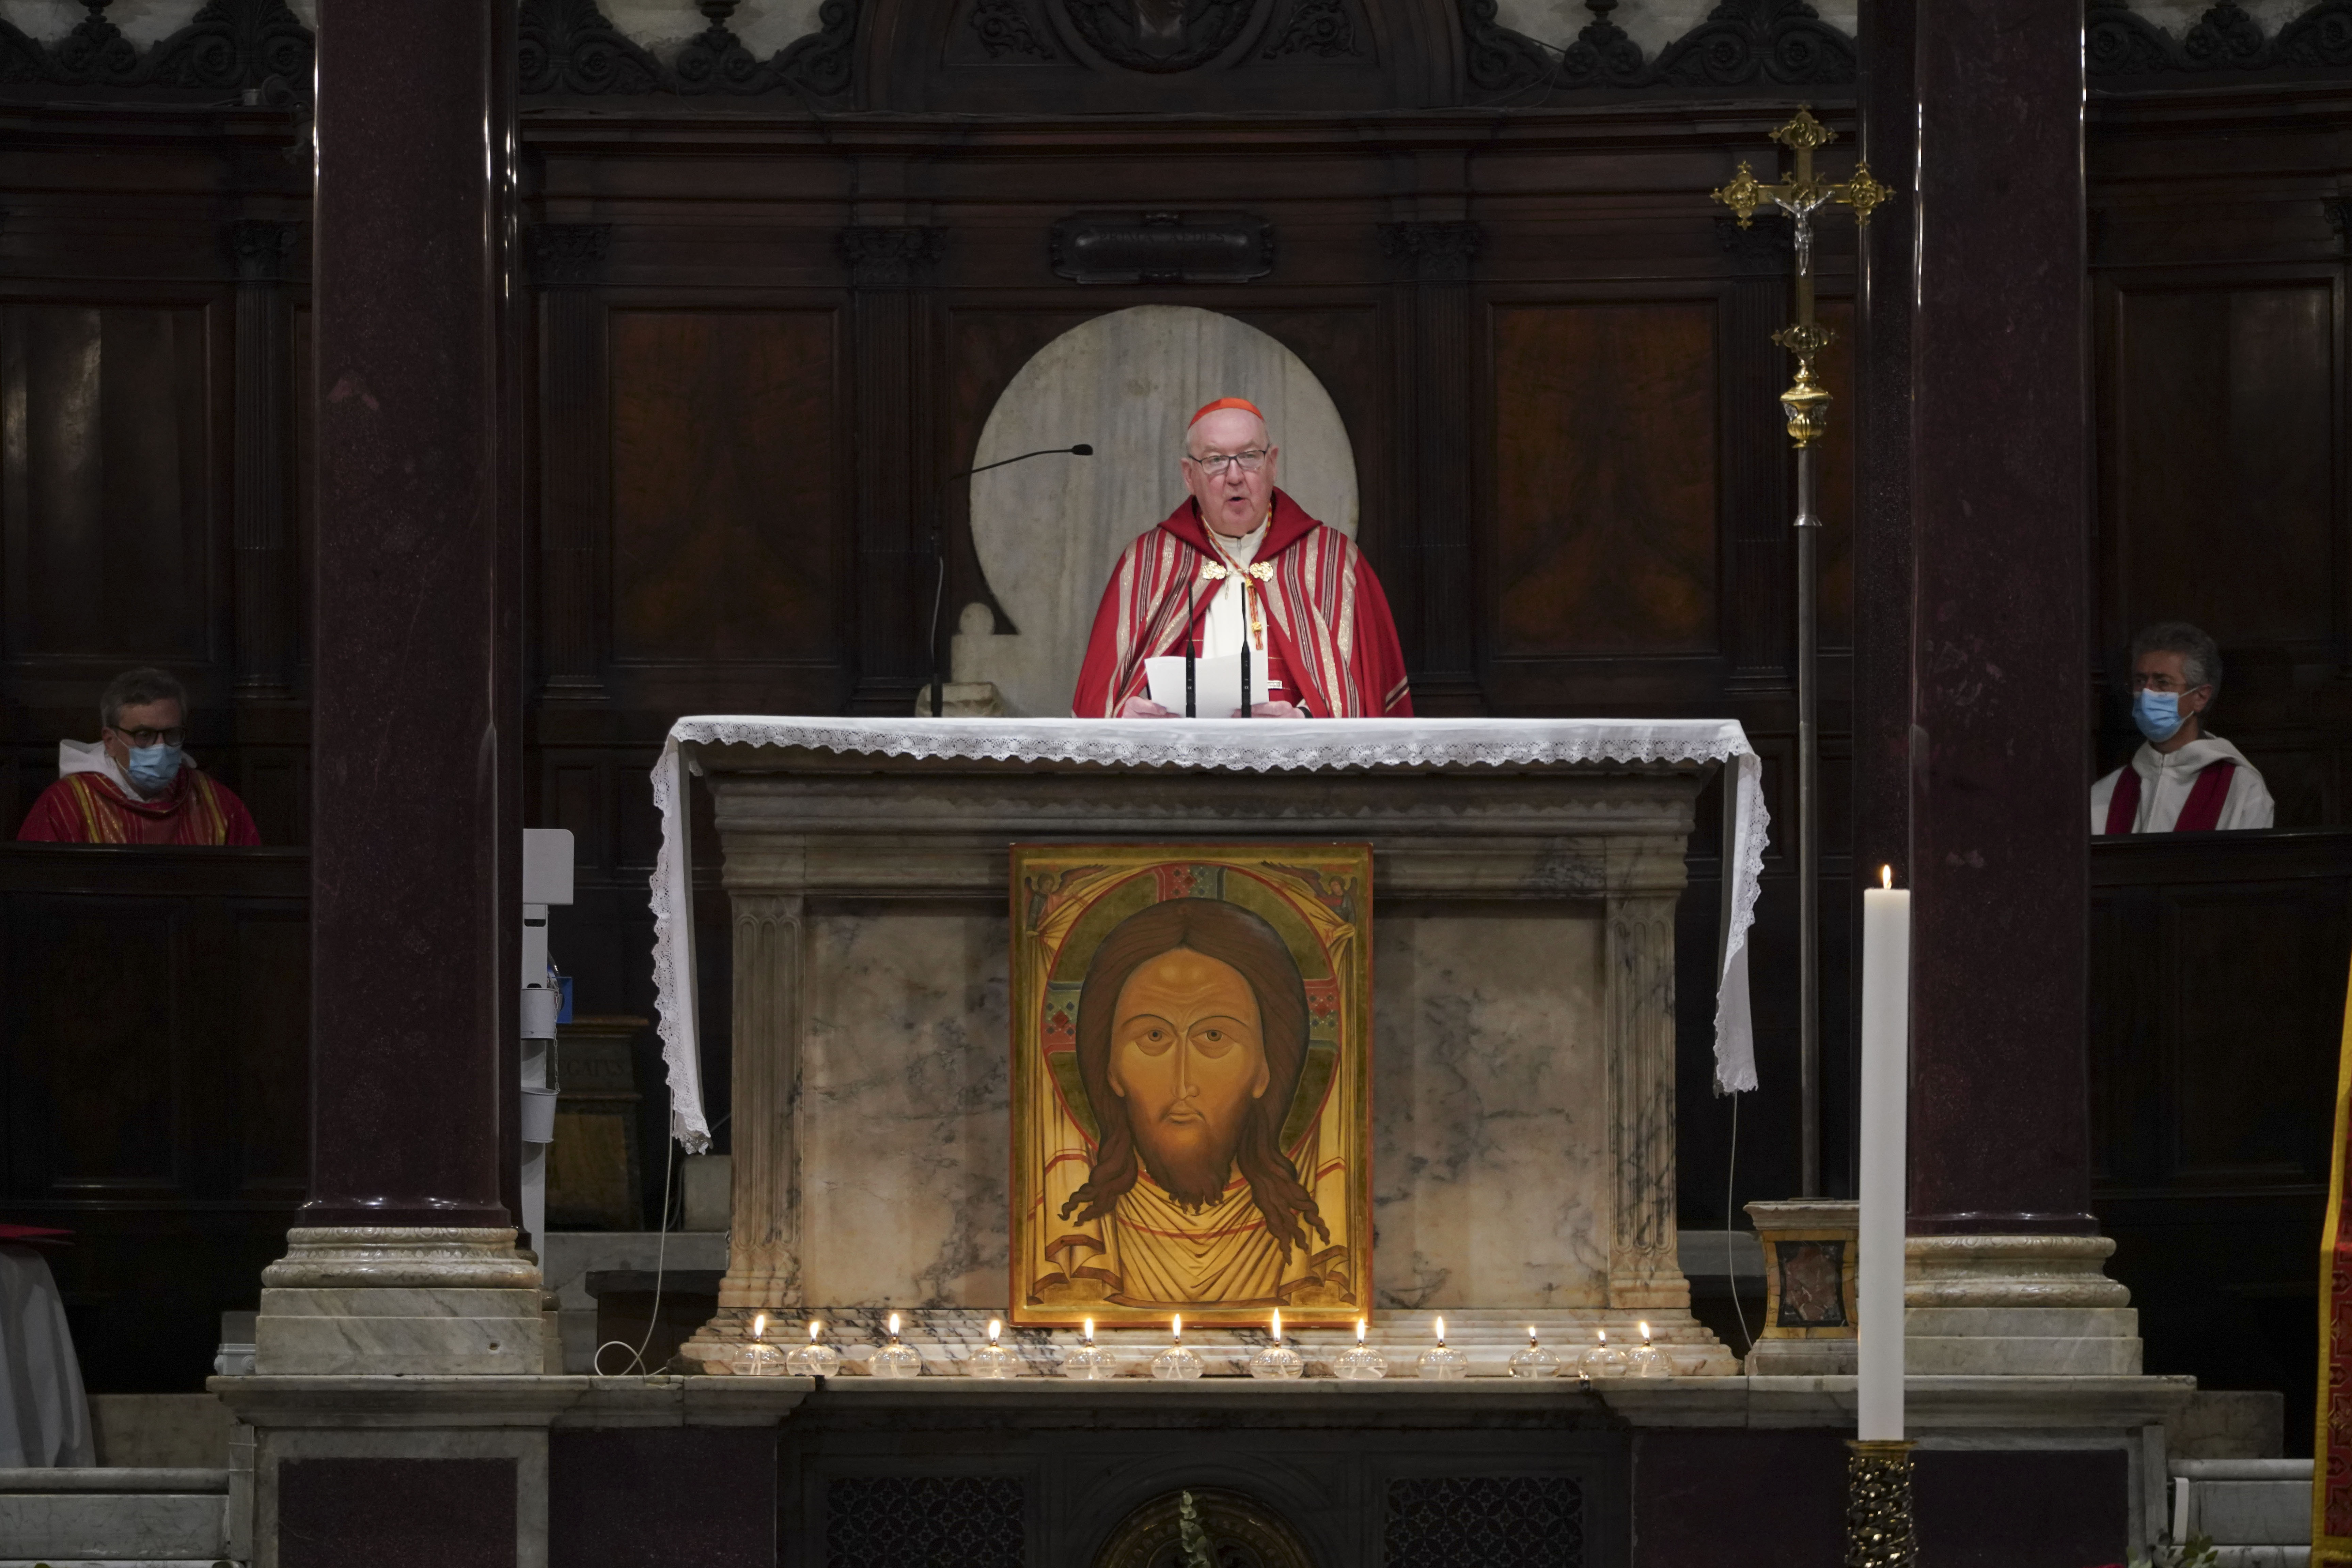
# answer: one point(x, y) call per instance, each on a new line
point(1241, 560)
point(134, 784)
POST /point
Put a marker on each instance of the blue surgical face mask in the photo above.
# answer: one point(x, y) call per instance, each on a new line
point(152, 768)
point(2157, 714)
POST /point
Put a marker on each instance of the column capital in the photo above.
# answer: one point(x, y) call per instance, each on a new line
point(1434, 252)
point(892, 257)
point(567, 255)
point(261, 248)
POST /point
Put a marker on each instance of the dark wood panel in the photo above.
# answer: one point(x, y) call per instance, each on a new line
point(103, 482)
point(154, 1035)
point(726, 499)
point(99, 1031)
point(271, 1045)
point(1606, 505)
point(2226, 458)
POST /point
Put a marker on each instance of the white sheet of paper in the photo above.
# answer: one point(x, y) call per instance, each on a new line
point(1216, 685)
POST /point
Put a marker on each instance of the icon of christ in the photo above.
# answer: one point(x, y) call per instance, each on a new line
point(1207, 1183)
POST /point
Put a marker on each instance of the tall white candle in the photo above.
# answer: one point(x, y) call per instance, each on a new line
point(1886, 1113)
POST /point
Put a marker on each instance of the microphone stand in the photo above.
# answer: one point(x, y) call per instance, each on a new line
point(940, 555)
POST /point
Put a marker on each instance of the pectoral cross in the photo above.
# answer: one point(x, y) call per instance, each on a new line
point(1252, 593)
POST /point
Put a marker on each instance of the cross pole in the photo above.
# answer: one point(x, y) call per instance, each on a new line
point(1805, 406)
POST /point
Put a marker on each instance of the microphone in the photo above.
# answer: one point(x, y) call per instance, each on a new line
point(939, 555)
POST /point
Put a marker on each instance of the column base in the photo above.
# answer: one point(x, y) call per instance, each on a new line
point(2009, 1305)
point(385, 1301)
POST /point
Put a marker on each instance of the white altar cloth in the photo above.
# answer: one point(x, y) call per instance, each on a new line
point(1262, 745)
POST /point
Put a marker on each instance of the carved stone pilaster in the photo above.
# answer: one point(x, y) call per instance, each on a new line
point(1644, 1270)
point(567, 263)
point(265, 613)
point(763, 1267)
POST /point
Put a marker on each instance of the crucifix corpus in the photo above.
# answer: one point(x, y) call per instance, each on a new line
point(1806, 407)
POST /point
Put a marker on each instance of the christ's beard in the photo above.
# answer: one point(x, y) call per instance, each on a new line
point(1193, 1172)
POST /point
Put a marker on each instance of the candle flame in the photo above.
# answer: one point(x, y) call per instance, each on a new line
point(759, 1324)
point(1886, 876)
point(1603, 1334)
point(1176, 1326)
point(815, 1328)
point(894, 1325)
point(994, 1328)
point(1359, 1331)
point(1645, 1334)
point(1277, 1325)
point(1441, 1331)
point(1090, 1331)
point(1532, 1336)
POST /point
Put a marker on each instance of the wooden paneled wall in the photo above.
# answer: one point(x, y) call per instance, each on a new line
point(2218, 252)
point(762, 339)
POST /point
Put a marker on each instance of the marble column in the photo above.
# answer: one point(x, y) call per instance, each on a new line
point(403, 1260)
point(1978, 377)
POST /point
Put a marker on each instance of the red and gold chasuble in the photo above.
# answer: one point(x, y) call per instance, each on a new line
point(1330, 637)
point(2331, 1475)
point(87, 808)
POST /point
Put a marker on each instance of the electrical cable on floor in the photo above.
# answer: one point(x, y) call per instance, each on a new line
point(1730, 1190)
point(661, 1256)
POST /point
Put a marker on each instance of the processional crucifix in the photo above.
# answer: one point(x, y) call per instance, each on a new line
point(1806, 407)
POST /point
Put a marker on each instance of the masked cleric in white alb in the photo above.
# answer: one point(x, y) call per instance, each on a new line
point(2183, 780)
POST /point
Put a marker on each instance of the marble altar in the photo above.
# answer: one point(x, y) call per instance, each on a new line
point(1526, 875)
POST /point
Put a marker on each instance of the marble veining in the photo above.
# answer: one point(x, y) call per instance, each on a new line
point(905, 1111)
point(1491, 1114)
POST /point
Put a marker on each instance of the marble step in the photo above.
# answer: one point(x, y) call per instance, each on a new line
point(2244, 1504)
point(119, 1515)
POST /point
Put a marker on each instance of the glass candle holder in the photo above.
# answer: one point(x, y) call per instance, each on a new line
point(756, 1358)
point(1359, 1361)
point(1278, 1360)
point(993, 1360)
point(1176, 1362)
point(1089, 1361)
point(1442, 1360)
point(1603, 1360)
point(814, 1359)
point(1646, 1360)
point(895, 1359)
point(1535, 1361)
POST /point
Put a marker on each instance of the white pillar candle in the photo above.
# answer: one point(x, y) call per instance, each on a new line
point(1886, 1113)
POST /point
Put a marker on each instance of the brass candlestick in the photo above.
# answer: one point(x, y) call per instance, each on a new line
point(1878, 1529)
point(1805, 406)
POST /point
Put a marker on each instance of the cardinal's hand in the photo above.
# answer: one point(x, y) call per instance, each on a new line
point(1144, 707)
point(1277, 710)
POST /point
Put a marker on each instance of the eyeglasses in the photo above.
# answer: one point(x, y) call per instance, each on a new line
point(1248, 462)
point(153, 737)
point(2159, 683)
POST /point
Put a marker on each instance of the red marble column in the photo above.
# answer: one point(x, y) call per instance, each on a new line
point(413, 657)
point(1971, 726)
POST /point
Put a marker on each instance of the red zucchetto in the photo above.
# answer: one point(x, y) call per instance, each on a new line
point(1244, 403)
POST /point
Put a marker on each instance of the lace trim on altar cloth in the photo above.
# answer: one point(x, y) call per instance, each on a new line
point(1257, 745)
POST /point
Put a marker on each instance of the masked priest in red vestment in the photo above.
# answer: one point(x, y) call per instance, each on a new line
point(1239, 560)
point(134, 784)
point(2184, 780)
